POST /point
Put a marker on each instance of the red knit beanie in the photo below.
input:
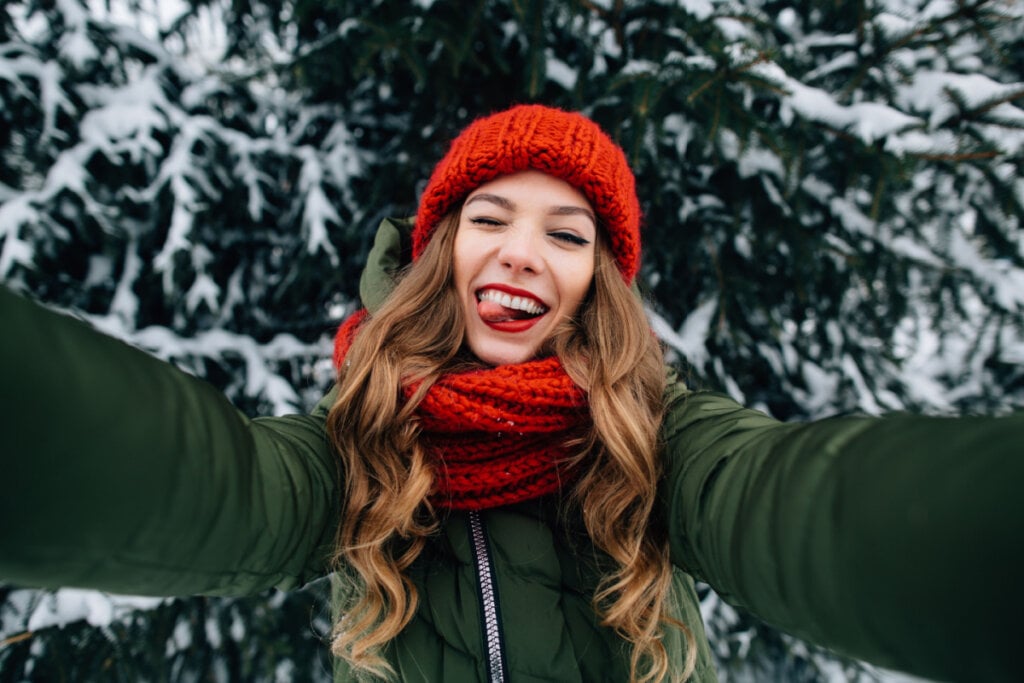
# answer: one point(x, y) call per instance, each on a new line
point(563, 144)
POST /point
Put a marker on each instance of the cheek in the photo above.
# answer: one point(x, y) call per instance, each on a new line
point(460, 262)
point(577, 284)
point(469, 252)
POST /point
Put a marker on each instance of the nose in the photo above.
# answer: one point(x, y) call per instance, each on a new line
point(520, 251)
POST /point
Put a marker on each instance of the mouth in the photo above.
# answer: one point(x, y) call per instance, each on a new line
point(499, 308)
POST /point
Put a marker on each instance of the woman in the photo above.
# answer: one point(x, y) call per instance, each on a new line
point(505, 480)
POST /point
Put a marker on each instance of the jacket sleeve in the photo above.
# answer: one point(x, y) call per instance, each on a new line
point(896, 540)
point(119, 472)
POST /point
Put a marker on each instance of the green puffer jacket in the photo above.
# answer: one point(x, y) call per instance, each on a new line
point(896, 540)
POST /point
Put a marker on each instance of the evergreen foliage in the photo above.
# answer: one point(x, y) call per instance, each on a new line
point(833, 198)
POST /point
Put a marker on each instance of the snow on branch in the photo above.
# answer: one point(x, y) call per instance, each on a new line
point(868, 121)
point(262, 379)
point(317, 209)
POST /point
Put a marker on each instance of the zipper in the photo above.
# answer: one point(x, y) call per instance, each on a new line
point(488, 589)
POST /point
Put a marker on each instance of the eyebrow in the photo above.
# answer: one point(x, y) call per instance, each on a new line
point(503, 202)
point(509, 205)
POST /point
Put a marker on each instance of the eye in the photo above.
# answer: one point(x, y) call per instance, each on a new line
point(483, 220)
point(570, 238)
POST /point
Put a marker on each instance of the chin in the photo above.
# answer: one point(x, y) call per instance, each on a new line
point(496, 359)
point(503, 354)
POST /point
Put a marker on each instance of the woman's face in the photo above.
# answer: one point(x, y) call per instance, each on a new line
point(524, 260)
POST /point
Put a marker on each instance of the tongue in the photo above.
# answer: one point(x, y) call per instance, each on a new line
point(496, 313)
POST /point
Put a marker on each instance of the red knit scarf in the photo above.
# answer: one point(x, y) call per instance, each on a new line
point(498, 435)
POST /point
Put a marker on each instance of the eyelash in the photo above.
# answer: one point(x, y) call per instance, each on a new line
point(569, 237)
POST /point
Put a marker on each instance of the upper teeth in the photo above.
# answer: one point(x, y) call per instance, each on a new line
point(519, 303)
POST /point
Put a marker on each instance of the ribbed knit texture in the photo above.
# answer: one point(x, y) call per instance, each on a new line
point(498, 436)
point(495, 436)
point(346, 334)
point(564, 144)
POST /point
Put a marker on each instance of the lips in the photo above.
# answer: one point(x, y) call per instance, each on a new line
point(508, 309)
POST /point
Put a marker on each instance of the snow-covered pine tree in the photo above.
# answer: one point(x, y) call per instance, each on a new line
point(832, 195)
point(202, 215)
point(149, 194)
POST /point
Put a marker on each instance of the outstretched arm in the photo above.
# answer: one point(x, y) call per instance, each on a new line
point(119, 472)
point(896, 540)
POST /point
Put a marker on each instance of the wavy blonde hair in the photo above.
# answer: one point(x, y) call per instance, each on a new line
point(417, 335)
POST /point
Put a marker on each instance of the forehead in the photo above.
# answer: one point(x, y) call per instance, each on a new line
point(529, 187)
